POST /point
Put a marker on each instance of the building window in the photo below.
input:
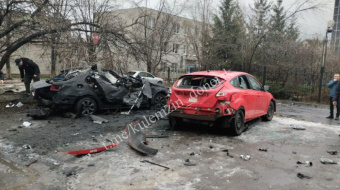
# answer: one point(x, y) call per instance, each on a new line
point(176, 28)
point(197, 30)
point(175, 48)
point(151, 22)
point(164, 67)
point(185, 50)
point(186, 30)
point(165, 47)
point(173, 67)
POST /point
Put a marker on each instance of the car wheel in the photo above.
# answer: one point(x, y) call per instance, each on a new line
point(159, 101)
point(270, 113)
point(159, 82)
point(86, 106)
point(237, 123)
point(175, 122)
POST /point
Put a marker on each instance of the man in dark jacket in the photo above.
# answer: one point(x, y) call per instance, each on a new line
point(28, 71)
point(2, 77)
point(332, 85)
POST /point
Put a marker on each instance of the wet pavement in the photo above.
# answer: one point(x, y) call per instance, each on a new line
point(121, 167)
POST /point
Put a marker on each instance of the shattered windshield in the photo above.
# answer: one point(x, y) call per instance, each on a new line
point(207, 82)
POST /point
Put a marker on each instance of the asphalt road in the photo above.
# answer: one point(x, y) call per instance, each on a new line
point(121, 167)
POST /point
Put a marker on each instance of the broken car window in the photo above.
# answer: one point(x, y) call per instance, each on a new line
point(254, 83)
point(206, 82)
point(243, 82)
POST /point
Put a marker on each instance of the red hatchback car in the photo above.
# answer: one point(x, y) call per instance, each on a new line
point(226, 99)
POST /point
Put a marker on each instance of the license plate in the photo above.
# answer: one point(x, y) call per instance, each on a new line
point(194, 100)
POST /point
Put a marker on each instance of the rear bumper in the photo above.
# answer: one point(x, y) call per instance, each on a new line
point(194, 117)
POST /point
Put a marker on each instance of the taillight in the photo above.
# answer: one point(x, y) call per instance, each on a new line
point(55, 88)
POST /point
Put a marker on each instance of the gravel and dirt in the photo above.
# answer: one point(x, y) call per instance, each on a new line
point(121, 167)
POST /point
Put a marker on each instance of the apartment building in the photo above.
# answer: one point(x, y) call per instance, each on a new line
point(172, 41)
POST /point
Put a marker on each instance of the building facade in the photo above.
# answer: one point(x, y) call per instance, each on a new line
point(175, 40)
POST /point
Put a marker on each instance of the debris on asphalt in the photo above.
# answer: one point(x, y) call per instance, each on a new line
point(333, 152)
point(26, 124)
point(10, 105)
point(188, 163)
point(90, 165)
point(12, 130)
point(294, 152)
point(263, 149)
point(98, 120)
point(192, 154)
point(70, 115)
point(157, 136)
point(302, 176)
point(297, 127)
point(146, 161)
point(71, 171)
point(34, 161)
point(40, 113)
point(26, 146)
point(327, 161)
point(308, 164)
point(91, 151)
point(19, 104)
point(211, 147)
point(227, 151)
point(137, 140)
point(245, 157)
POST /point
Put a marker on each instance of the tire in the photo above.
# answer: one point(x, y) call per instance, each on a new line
point(159, 82)
point(86, 106)
point(270, 113)
point(159, 101)
point(237, 123)
point(175, 122)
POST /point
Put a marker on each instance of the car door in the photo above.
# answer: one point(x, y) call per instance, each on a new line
point(261, 102)
point(249, 97)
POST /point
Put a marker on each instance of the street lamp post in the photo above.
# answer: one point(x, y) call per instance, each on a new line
point(324, 54)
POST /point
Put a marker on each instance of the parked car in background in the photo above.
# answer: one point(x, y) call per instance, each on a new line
point(223, 98)
point(146, 75)
point(93, 90)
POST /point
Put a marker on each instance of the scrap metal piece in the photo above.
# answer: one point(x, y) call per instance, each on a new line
point(166, 168)
point(40, 113)
point(98, 120)
point(91, 151)
point(188, 163)
point(327, 161)
point(302, 176)
point(137, 141)
point(34, 161)
point(332, 152)
point(297, 127)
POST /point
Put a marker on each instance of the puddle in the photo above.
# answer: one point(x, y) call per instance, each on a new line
point(12, 177)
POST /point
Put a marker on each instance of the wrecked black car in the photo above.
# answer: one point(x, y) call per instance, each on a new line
point(94, 90)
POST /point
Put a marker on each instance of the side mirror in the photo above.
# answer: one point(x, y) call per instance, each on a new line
point(265, 87)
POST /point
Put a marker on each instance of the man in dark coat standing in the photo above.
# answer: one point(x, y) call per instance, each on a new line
point(28, 71)
point(332, 85)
